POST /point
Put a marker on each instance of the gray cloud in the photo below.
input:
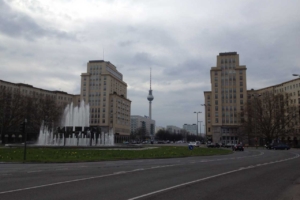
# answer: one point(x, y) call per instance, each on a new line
point(17, 24)
point(178, 40)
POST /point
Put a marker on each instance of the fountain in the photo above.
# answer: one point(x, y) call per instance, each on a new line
point(75, 130)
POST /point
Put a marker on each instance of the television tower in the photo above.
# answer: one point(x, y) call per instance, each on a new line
point(150, 97)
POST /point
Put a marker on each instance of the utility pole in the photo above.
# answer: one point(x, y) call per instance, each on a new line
point(197, 121)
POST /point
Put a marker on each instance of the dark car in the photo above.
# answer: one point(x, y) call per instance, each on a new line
point(282, 147)
point(213, 145)
point(269, 146)
point(229, 145)
point(238, 148)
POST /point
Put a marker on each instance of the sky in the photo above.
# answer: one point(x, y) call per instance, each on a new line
point(48, 44)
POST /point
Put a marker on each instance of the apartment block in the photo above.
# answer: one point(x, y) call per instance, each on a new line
point(291, 89)
point(226, 99)
point(62, 98)
point(102, 86)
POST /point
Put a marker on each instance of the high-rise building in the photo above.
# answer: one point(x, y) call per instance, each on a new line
point(102, 86)
point(226, 99)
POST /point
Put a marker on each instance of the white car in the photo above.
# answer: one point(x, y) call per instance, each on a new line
point(194, 144)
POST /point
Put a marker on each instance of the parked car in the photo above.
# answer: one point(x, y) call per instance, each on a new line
point(229, 145)
point(269, 146)
point(194, 144)
point(282, 147)
point(213, 145)
point(238, 148)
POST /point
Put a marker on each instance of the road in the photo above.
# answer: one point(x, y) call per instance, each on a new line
point(252, 174)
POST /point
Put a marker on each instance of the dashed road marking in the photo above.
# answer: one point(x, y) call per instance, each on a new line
point(206, 178)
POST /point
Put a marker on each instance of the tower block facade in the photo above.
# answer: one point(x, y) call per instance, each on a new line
point(226, 99)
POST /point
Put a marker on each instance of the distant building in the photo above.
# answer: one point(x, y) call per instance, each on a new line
point(137, 121)
point(190, 128)
point(173, 129)
point(158, 128)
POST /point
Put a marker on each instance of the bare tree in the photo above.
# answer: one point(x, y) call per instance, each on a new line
point(270, 117)
point(16, 107)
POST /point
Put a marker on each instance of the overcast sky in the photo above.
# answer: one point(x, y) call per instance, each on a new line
point(48, 43)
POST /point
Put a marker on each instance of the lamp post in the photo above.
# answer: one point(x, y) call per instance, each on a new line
point(255, 129)
point(197, 120)
point(200, 127)
point(205, 131)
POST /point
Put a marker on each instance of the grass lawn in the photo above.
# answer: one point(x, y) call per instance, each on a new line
point(46, 155)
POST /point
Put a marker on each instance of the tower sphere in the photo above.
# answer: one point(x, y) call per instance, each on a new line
point(150, 96)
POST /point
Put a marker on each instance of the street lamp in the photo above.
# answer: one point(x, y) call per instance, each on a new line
point(200, 127)
point(197, 120)
point(296, 75)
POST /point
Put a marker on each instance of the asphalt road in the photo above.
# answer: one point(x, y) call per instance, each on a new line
point(252, 174)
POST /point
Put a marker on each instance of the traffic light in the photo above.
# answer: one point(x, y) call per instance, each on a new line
point(22, 127)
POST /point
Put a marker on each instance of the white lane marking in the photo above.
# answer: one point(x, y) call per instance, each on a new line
point(77, 180)
point(121, 172)
point(57, 183)
point(34, 171)
point(154, 167)
point(206, 178)
point(137, 170)
point(95, 177)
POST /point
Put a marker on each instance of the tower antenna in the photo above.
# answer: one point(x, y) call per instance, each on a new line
point(103, 54)
point(150, 78)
